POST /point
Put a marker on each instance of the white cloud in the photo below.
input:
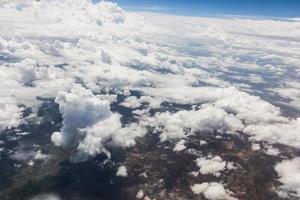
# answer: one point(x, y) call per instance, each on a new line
point(88, 124)
point(289, 90)
point(10, 113)
point(202, 142)
point(175, 59)
point(255, 147)
point(122, 171)
point(46, 197)
point(284, 133)
point(289, 173)
point(212, 191)
point(134, 102)
point(248, 108)
point(110, 132)
point(40, 156)
point(199, 188)
point(140, 194)
point(131, 102)
point(80, 109)
point(28, 156)
point(207, 119)
point(213, 165)
point(153, 102)
point(224, 110)
point(272, 151)
point(179, 146)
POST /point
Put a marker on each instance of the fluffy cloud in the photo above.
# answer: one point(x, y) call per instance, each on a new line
point(180, 146)
point(285, 133)
point(10, 113)
point(110, 132)
point(46, 197)
point(289, 173)
point(134, 102)
point(80, 109)
point(212, 191)
point(248, 108)
point(88, 124)
point(122, 171)
point(140, 194)
point(213, 165)
point(207, 119)
point(289, 90)
point(131, 102)
point(224, 110)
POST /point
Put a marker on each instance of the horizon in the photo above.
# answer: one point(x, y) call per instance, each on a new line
point(253, 8)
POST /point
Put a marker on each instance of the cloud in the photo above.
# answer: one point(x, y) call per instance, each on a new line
point(207, 119)
point(46, 197)
point(212, 191)
point(284, 133)
point(122, 171)
point(10, 113)
point(131, 102)
point(88, 124)
point(134, 102)
point(289, 90)
point(246, 107)
point(28, 157)
point(289, 175)
point(223, 110)
point(179, 146)
point(140, 194)
point(109, 132)
point(213, 165)
point(80, 109)
point(227, 69)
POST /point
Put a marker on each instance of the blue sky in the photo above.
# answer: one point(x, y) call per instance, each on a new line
point(273, 8)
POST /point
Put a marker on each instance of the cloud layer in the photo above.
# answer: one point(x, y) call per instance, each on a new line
point(226, 75)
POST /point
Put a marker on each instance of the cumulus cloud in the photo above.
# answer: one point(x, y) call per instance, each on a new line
point(212, 191)
point(285, 133)
point(207, 119)
point(131, 102)
point(10, 113)
point(213, 165)
point(46, 197)
point(134, 102)
point(248, 108)
point(88, 123)
point(140, 194)
point(80, 109)
point(122, 171)
point(179, 146)
point(289, 175)
point(110, 132)
point(224, 110)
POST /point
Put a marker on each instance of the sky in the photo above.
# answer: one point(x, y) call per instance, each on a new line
point(272, 8)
